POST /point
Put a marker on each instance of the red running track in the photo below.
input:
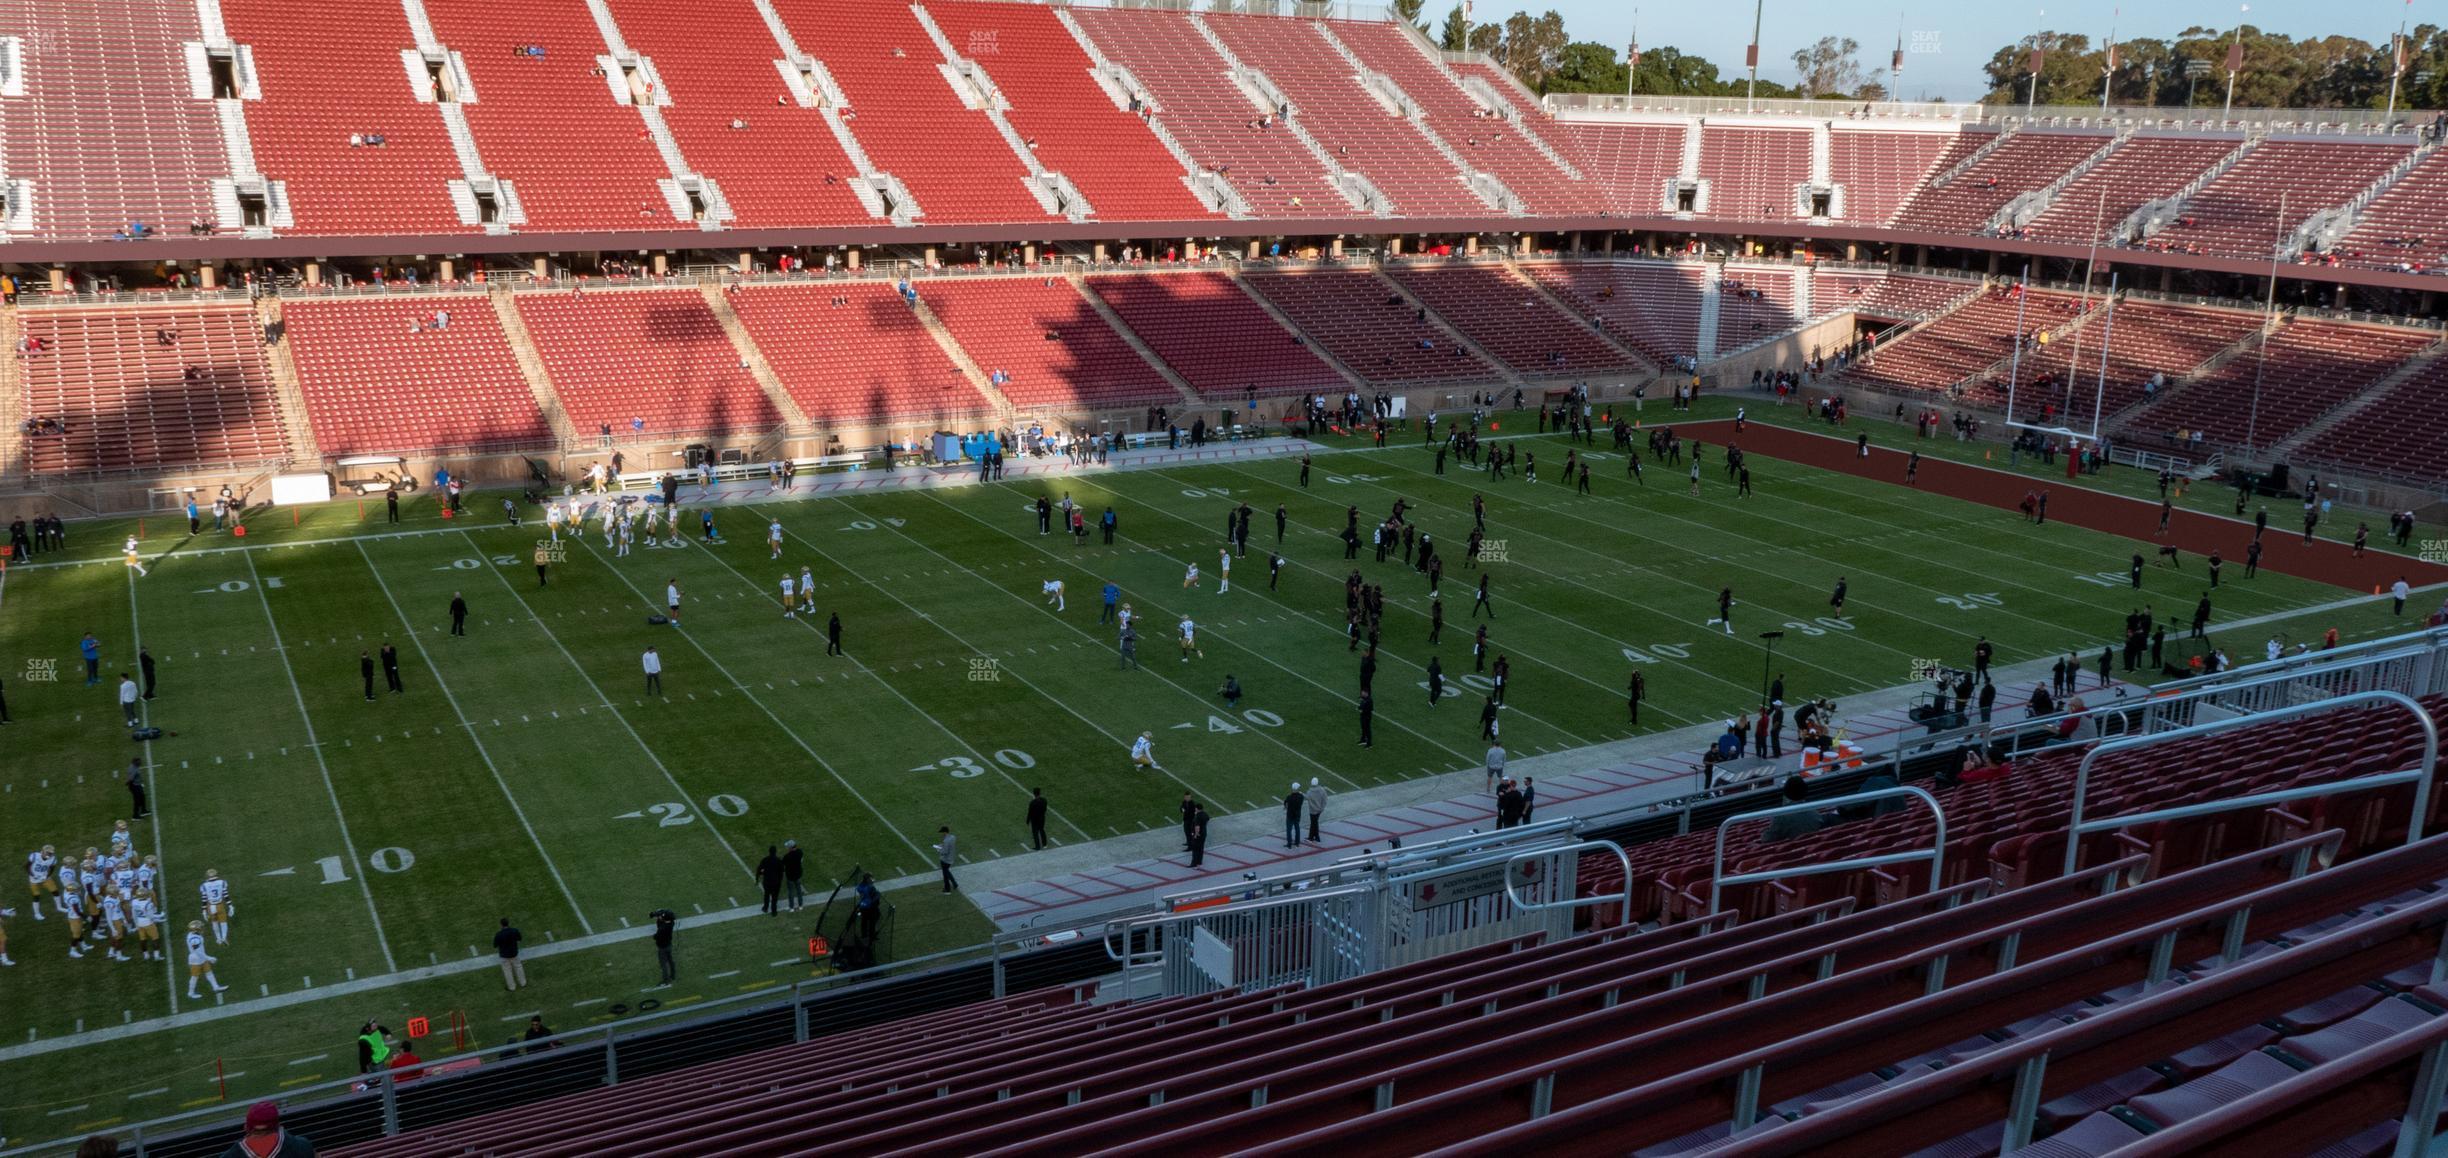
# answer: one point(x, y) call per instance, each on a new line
point(2327, 560)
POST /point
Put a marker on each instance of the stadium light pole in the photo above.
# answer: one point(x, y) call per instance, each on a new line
point(1751, 93)
point(1767, 663)
point(2269, 313)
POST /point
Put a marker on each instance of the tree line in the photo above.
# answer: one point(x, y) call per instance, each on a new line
point(2189, 69)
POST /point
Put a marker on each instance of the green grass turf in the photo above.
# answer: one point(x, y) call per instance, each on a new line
point(524, 773)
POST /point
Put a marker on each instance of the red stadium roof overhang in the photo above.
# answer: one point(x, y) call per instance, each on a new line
point(370, 247)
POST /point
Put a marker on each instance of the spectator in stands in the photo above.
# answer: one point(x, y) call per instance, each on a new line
point(1801, 822)
point(264, 1137)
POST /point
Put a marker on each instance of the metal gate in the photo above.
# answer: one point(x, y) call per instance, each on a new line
point(1309, 937)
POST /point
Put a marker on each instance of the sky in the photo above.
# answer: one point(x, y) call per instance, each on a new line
point(1945, 43)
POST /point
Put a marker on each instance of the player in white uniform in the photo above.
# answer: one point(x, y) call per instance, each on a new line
point(773, 538)
point(651, 519)
point(1190, 577)
point(1054, 593)
point(148, 875)
point(807, 589)
point(145, 913)
point(671, 601)
point(1189, 640)
point(123, 879)
point(790, 595)
point(72, 906)
point(218, 908)
point(627, 539)
point(67, 878)
point(1125, 615)
point(4, 957)
point(611, 518)
point(114, 922)
point(199, 962)
point(1223, 571)
point(89, 877)
point(39, 866)
point(672, 519)
point(552, 519)
point(1143, 752)
point(121, 840)
point(135, 561)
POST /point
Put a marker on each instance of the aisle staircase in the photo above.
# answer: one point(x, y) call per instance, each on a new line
point(1122, 329)
point(531, 366)
point(288, 393)
point(753, 358)
point(1005, 412)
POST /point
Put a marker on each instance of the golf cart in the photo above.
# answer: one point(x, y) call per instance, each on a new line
point(372, 474)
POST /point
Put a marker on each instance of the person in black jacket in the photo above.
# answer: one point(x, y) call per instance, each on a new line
point(1194, 830)
point(769, 878)
point(365, 669)
point(458, 612)
point(1037, 817)
point(794, 866)
point(1293, 803)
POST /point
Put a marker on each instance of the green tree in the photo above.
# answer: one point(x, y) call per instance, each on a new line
point(1454, 34)
point(1831, 66)
point(1586, 66)
point(1409, 11)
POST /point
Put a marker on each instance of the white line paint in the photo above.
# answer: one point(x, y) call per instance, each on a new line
point(348, 843)
point(152, 785)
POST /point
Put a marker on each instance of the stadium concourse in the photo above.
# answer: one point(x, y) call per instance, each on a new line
point(330, 320)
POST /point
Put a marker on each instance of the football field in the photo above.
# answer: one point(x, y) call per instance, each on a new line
point(525, 771)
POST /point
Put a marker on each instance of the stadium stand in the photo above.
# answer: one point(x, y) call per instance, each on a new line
point(854, 352)
point(732, 119)
point(1353, 122)
point(2401, 229)
point(304, 126)
point(2019, 164)
point(546, 119)
point(1877, 170)
point(1215, 337)
point(1369, 327)
point(1755, 303)
point(1631, 163)
point(659, 355)
point(1055, 103)
point(1501, 315)
point(1965, 343)
point(906, 115)
point(157, 387)
point(2142, 170)
point(108, 132)
point(1652, 306)
point(1195, 99)
point(2307, 368)
point(1754, 174)
point(2148, 338)
point(2394, 433)
point(2247, 210)
point(379, 376)
point(1481, 137)
point(1044, 342)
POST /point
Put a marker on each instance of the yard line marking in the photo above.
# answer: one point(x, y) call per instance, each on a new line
point(153, 783)
point(923, 714)
point(348, 843)
point(305, 1061)
point(149, 1093)
point(435, 671)
point(617, 714)
point(787, 730)
point(720, 976)
point(524, 1016)
point(785, 961)
point(72, 1109)
point(1042, 609)
point(588, 1002)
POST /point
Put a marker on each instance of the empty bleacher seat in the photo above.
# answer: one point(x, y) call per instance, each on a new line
point(149, 387)
point(660, 355)
point(379, 376)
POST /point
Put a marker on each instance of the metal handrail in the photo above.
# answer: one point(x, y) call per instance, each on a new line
point(1576, 847)
point(2077, 828)
point(1936, 853)
point(1127, 925)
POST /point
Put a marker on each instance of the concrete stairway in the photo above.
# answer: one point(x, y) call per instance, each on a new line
point(286, 389)
point(12, 396)
point(531, 366)
point(753, 358)
point(1188, 392)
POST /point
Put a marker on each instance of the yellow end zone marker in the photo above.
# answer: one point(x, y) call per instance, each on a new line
point(300, 1081)
point(197, 1102)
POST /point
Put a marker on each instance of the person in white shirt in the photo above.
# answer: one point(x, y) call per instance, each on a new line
point(654, 673)
point(199, 962)
point(146, 914)
point(773, 537)
point(1053, 592)
point(807, 589)
point(790, 596)
point(135, 562)
point(671, 601)
point(114, 924)
point(552, 519)
point(1189, 640)
point(1190, 577)
point(218, 908)
point(2398, 591)
point(1223, 571)
point(627, 537)
point(1143, 752)
point(127, 698)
